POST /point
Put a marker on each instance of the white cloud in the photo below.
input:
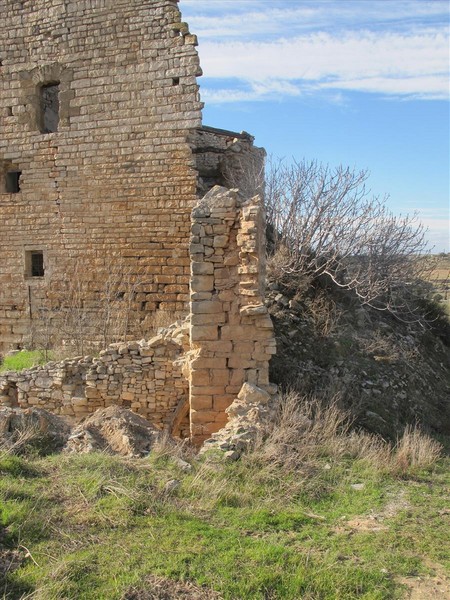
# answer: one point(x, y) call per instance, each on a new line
point(256, 91)
point(388, 63)
point(229, 95)
point(241, 18)
point(397, 48)
point(421, 87)
point(438, 234)
point(322, 55)
point(437, 221)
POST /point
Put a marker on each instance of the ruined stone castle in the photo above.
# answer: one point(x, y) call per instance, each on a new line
point(103, 159)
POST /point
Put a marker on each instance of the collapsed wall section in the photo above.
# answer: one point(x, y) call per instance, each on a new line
point(228, 159)
point(146, 377)
point(231, 332)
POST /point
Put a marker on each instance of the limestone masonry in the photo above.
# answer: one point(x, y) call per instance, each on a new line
point(103, 158)
point(231, 330)
point(144, 376)
point(117, 176)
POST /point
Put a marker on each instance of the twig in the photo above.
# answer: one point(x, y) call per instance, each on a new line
point(29, 555)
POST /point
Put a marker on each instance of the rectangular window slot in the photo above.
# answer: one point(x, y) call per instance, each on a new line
point(34, 263)
point(12, 183)
point(49, 102)
point(176, 81)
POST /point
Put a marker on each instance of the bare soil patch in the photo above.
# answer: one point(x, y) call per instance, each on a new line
point(375, 521)
point(161, 588)
point(430, 587)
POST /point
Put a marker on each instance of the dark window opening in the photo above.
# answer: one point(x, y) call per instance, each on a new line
point(37, 264)
point(34, 263)
point(12, 183)
point(49, 102)
point(176, 81)
point(9, 111)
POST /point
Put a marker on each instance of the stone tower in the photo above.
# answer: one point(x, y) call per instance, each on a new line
point(98, 99)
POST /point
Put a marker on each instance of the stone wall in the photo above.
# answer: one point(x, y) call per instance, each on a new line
point(185, 378)
point(117, 178)
point(145, 376)
point(231, 331)
point(102, 157)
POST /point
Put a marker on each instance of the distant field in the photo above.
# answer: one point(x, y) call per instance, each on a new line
point(440, 277)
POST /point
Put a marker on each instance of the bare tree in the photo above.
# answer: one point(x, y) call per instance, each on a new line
point(44, 331)
point(324, 222)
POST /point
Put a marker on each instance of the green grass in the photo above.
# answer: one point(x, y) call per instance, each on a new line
point(25, 359)
point(96, 525)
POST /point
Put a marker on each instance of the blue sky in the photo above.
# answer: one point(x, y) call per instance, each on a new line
point(363, 83)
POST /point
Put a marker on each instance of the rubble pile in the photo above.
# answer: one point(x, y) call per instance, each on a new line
point(248, 415)
point(114, 430)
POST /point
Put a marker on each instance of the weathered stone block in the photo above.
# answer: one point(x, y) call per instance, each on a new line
point(204, 332)
point(202, 268)
point(202, 283)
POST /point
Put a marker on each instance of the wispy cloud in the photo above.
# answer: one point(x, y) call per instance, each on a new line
point(241, 18)
point(254, 91)
point(436, 220)
point(438, 234)
point(398, 49)
point(391, 64)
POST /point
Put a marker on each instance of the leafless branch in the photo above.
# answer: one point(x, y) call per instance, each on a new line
point(323, 221)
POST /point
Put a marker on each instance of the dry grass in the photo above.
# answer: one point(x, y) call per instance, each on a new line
point(303, 430)
point(18, 441)
point(162, 588)
point(415, 450)
point(386, 347)
point(306, 430)
point(167, 446)
point(324, 314)
point(288, 459)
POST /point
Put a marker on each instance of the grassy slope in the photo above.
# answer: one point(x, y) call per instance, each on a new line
point(95, 525)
